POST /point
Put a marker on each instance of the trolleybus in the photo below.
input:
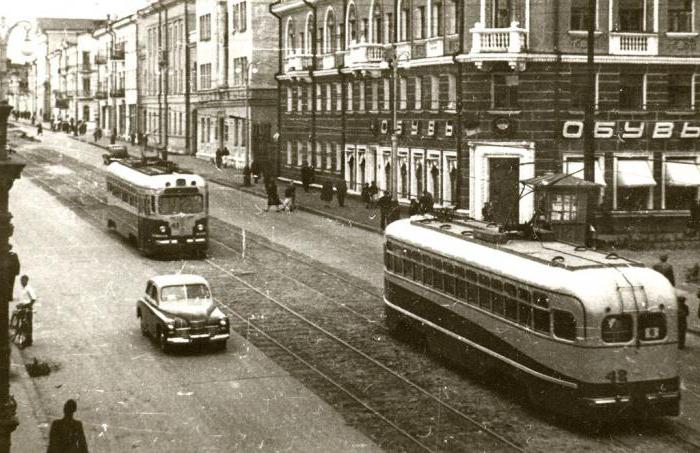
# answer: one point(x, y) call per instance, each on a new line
point(158, 207)
point(587, 334)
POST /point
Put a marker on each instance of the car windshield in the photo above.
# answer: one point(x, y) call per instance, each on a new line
point(185, 204)
point(181, 293)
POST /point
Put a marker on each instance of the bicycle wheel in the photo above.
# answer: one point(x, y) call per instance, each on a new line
point(20, 336)
point(14, 320)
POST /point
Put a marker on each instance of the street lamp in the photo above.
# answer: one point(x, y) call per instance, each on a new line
point(10, 169)
point(396, 58)
point(247, 70)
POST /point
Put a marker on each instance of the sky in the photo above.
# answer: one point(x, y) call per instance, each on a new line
point(14, 10)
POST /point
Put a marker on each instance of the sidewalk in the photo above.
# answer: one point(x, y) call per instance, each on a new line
point(354, 213)
point(32, 434)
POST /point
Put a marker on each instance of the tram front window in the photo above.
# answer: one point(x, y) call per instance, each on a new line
point(188, 204)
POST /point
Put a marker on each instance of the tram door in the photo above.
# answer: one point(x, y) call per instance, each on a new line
point(503, 189)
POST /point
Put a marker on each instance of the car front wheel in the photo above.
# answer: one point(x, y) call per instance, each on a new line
point(144, 328)
point(163, 342)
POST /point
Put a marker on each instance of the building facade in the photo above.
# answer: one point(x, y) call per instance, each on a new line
point(489, 93)
point(18, 87)
point(163, 34)
point(236, 97)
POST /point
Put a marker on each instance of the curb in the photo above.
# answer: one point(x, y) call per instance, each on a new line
point(300, 207)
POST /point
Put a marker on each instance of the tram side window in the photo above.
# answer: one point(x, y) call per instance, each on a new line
point(510, 289)
point(564, 325)
point(407, 264)
point(437, 274)
point(524, 314)
point(398, 264)
point(541, 320)
point(461, 289)
point(496, 297)
point(511, 311)
point(417, 267)
point(387, 258)
point(484, 293)
point(449, 279)
point(427, 271)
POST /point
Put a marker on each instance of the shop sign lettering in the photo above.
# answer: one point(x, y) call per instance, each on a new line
point(634, 129)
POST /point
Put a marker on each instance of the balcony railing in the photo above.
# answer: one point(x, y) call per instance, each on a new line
point(100, 58)
point(328, 61)
point(118, 52)
point(116, 93)
point(501, 40)
point(85, 67)
point(100, 94)
point(634, 43)
point(365, 53)
point(85, 94)
point(434, 47)
point(298, 62)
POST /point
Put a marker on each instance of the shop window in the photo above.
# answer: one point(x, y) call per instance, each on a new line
point(680, 16)
point(632, 198)
point(504, 91)
point(682, 178)
point(631, 92)
point(634, 182)
point(564, 325)
point(679, 91)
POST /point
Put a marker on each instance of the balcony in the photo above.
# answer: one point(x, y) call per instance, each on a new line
point(100, 94)
point(499, 40)
point(85, 94)
point(86, 67)
point(434, 47)
point(118, 52)
point(632, 43)
point(297, 62)
point(331, 61)
point(116, 93)
point(100, 58)
point(366, 57)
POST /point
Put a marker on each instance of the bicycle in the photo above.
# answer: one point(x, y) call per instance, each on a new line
point(19, 326)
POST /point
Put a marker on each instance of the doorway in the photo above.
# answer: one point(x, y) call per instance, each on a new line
point(504, 189)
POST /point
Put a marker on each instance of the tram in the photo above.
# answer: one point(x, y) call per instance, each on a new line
point(587, 334)
point(158, 207)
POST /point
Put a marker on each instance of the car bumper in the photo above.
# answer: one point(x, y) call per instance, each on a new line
point(198, 338)
point(189, 241)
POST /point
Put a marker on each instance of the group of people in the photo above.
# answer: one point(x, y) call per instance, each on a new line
point(424, 204)
point(273, 199)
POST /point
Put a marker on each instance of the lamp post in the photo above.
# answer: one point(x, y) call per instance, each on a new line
point(10, 169)
point(394, 123)
point(247, 70)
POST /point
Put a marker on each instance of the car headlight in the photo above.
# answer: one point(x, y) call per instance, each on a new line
point(171, 327)
point(162, 229)
point(223, 322)
point(200, 227)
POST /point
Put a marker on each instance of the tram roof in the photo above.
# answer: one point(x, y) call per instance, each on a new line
point(552, 253)
point(153, 176)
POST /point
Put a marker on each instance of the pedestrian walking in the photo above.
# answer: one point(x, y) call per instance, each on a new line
point(683, 313)
point(113, 137)
point(341, 188)
point(255, 171)
point(246, 176)
point(97, 135)
point(273, 198)
point(13, 272)
point(27, 300)
point(365, 196)
point(289, 198)
point(39, 129)
point(373, 194)
point(426, 202)
point(218, 158)
point(385, 205)
point(327, 193)
point(67, 435)
point(305, 176)
point(132, 138)
point(414, 207)
point(487, 212)
point(665, 269)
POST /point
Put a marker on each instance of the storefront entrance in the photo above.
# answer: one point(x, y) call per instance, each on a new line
point(503, 189)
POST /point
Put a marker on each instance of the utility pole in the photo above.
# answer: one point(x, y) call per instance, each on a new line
point(588, 137)
point(394, 127)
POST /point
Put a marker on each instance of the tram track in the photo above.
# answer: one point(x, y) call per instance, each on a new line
point(275, 337)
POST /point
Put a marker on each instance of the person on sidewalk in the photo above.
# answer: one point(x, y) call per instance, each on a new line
point(683, 313)
point(426, 203)
point(39, 129)
point(13, 272)
point(67, 435)
point(289, 198)
point(327, 193)
point(273, 198)
point(341, 188)
point(97, 135)
point(365, 196)
point(113, 137)
point(246, 176)
point(219, 158)
point(305, 176)
point(385, 205)
point(373, 194)
point(255, 171)
point(414, 207)
point(665, 269)
point(27, 300)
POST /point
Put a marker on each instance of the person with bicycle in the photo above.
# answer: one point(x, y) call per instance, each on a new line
point(26, 304)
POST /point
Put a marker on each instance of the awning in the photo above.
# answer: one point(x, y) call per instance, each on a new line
point(682, 173)
point(634, 173)
point(575, 169)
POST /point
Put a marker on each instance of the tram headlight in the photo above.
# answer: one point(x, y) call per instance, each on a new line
point(162, 229)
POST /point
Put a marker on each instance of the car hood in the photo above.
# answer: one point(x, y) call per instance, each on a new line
point(188, 311)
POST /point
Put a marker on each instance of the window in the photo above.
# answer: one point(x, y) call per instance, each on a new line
point(239, 19)
point(329, 35)
point(388, 28)
point(564, 325)
point(329, 99)
point(329, 156)
point(681, 175)
point(419, 23)
point(338, 158)
point(205, 76)
point(403, 35)
point(240, 71)
point(375, 95)
point(451, 17)
point(309, 97)
point(205, 27)
point(434, 93)
point(579, 18)
point(290, 100)
point(361, 91)
point(504, 91)
point(386, 94)
point(319, 155)
point(680, 16)
point(634, 182)
point(436, 28)
point(632, 91)
point(300, 99)
point(617, 329)
point(679, 91)
point(300, 153)
point(451, 92)
point(338, 97)
point(319, 97)
point(349, 88)
point(651, 326)
point(403, 91)
point(631, 16)
point(540, 320)
point(418, 93)
point(289, 153)
point(564, 207)
point(579, 90)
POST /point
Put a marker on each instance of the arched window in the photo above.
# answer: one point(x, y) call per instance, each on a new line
point(308, 49)
point(351, 24)
point(329, 32)
point(376, 35)
point(290, 37)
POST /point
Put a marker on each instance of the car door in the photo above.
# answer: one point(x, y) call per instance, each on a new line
point(151, 303)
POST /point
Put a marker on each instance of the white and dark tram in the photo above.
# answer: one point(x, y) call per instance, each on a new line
point(587, 334)
point(158, 207)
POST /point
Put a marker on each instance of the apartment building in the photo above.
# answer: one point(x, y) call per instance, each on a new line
point(489, 93)
point(233, 72)
point(163, 35)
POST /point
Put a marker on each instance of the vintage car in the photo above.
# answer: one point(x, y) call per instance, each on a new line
point(178, 309)
point(115, 152)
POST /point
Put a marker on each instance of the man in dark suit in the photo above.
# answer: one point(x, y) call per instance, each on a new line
point(665, 269)
point(67, 435)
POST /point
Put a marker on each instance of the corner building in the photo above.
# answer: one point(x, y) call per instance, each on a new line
point(489, 93)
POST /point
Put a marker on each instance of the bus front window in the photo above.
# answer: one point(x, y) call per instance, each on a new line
point(184, 204)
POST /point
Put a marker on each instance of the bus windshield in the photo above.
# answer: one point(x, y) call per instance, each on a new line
point(180, 204)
